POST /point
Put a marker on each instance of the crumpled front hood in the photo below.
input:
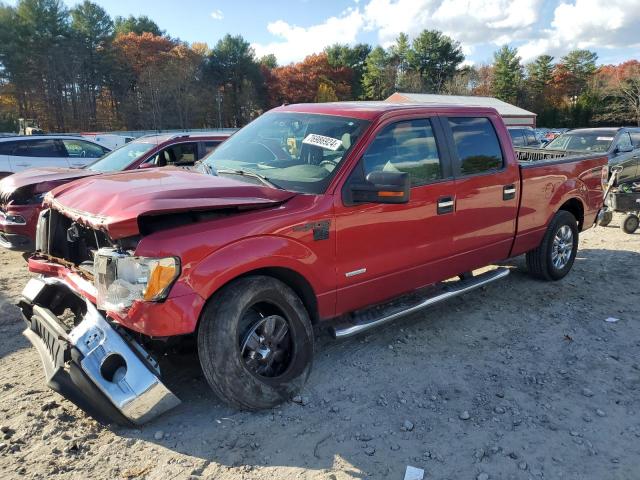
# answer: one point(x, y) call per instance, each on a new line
point(39, 180)
point(114, 202)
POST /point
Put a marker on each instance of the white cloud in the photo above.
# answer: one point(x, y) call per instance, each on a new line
point(595, 24)
point(468, 21)
point(591, 24)
point(296, 42)
point(217, 14)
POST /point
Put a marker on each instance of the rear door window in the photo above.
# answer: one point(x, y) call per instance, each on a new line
point(43, 148)
point(635, 139)
point(477, 145)
point(406, 146)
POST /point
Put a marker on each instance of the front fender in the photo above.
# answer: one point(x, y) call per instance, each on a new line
point(265, 251)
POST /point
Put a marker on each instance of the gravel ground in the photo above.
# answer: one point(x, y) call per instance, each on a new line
point(522, 379)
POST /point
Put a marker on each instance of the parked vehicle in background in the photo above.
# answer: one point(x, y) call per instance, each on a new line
point(524, 137)
point(21, 152)
point(21, 194)
point(621, 145)
point(109, 140)
point(343, 211)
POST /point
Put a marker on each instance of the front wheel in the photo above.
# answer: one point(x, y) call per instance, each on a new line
point(630, 223)
point(553, 259)
point(255, 343)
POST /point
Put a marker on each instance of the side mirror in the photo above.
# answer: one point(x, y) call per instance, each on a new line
point(624, 148)
point(381, 187)
point(147, 165)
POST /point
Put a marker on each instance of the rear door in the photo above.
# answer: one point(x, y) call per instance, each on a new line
point(486, 202)
point(38, 152)
point(81, 153)
point(384, 250)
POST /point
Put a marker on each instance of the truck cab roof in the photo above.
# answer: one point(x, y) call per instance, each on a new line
point(372, 110)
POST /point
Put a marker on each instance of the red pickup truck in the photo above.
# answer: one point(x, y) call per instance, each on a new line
point(354, 212)
point(21, 194)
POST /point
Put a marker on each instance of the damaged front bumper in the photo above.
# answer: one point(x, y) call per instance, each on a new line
point(94, 364)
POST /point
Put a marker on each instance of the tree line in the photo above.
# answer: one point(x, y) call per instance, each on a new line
point(79, 69)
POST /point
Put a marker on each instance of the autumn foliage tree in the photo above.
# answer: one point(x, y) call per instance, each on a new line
point(312, 80)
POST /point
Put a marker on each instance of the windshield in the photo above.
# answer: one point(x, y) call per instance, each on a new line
point(121, 158)
point(582, 141)
point(294, 151)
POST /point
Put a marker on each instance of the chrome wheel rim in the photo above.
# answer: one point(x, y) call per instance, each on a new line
point(562, 247)
point(266, 346)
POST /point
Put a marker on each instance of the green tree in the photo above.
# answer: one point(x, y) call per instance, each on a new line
point(399, 56)
point(233, 69)
point(379, 75)
point(435, 57)
point(93, 31)
point(137, 25)
point(269, 61)
point(351, 57)
point(507, 75)
point(579, 66)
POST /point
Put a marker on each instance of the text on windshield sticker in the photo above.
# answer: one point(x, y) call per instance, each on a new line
point(605, 139)
point(321, 141)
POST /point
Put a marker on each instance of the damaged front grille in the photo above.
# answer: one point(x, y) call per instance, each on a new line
point(59, 236)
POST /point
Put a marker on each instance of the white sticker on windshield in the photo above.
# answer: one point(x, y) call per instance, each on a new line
point(605, 139)
point(322, 141)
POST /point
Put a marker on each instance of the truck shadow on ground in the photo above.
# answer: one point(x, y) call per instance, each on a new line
point(11, 327)
point(383, 400)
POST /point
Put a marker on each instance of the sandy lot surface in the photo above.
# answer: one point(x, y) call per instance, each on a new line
point(522, 379)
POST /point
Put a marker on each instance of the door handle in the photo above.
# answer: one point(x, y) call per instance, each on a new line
point(509, 192)
point(22, 164)
point(446, 205)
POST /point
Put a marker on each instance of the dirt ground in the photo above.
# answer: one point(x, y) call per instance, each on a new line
point(522, 379)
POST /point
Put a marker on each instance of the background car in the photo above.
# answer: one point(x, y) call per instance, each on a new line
point(21, 152)
point(21, 194)
point(622, 146)
point(524, 137)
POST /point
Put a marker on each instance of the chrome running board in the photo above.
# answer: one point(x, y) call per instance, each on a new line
point(376, 316)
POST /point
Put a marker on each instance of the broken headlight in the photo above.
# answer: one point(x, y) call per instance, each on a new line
point(121, 279)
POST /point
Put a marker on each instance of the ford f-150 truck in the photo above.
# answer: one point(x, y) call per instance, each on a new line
point(21, 194)
point(350, 212)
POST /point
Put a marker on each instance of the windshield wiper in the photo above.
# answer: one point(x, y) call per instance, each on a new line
point(248, 173)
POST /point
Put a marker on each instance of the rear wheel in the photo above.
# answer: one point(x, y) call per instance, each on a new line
point(605, 219)
point(630, 223)
point(553, 259)
point(255, 343)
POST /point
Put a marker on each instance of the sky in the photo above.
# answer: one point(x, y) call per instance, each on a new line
point(292, 29)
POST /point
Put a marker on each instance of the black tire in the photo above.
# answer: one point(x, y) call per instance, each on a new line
point(630, 223)
point(605, 219)
point(540, 261)
point(224, 335)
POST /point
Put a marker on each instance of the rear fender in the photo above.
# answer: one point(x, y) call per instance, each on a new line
point(571, 189)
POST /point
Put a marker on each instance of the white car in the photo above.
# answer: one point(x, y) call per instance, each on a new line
point(22, 152)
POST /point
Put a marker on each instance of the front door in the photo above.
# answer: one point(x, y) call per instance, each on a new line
point(384, 250)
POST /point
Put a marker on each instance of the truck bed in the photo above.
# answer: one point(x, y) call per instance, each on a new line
point(545, 183)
